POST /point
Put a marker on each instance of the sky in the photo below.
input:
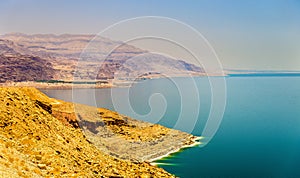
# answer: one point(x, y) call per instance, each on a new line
point(255, 35)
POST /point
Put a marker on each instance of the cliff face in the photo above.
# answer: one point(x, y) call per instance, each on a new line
point(38, 140)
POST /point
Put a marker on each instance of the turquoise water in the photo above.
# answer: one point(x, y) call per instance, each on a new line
point(259, 135)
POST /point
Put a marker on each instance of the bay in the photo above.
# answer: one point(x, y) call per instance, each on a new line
point(259, 135)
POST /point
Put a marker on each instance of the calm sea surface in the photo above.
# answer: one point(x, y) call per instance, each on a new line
point(259, 135)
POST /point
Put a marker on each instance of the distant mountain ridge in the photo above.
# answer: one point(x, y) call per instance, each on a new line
point(67, 57)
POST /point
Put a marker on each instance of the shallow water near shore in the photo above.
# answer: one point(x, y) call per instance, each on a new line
point(258, 136)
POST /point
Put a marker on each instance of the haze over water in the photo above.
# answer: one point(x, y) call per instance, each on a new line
point(258, 136)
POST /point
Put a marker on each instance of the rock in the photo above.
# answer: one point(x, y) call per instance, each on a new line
point(45, 106)
point(38, 157)
point(42, 166)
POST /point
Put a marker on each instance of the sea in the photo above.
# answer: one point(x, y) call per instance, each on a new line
point(250, 124)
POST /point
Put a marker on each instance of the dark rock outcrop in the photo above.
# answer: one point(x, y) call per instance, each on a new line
point(17, 67)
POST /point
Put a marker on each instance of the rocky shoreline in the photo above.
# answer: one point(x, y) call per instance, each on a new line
point(127, 138)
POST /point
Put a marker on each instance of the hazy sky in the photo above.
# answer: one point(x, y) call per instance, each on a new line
point(246, 34)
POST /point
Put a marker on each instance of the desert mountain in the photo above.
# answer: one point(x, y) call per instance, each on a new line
point(87, 57)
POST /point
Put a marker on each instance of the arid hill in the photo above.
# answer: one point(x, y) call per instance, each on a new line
point(42, 136)
point(36, 140)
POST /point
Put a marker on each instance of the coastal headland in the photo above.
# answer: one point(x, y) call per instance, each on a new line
point(42, 136)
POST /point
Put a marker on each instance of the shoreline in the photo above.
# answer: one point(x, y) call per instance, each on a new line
point(194, 140)
point(56, 86)
point(106, 84)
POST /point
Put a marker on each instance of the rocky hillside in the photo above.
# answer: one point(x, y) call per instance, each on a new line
point(40, 137)
point(21, 67)
point(103, 59)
